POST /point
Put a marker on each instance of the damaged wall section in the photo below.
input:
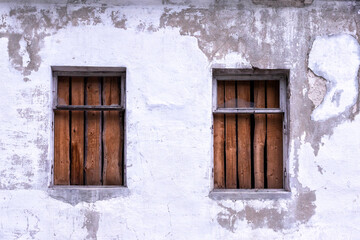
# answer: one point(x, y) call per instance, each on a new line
point(169, 49)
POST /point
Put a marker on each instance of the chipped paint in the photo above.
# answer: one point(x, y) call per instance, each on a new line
point(336, 58)
point(317, 88)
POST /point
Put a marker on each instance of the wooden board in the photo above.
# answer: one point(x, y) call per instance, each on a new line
point(230, 135)
point(93, 133)
point(274, 140)
point(112, 134)
point(259, 134)
point(219, 140)
point(62, 136)
point(244, 135)
point(77, 132)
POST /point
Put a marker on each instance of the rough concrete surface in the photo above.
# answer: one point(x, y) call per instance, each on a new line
point(337, 59)
point(169, 49)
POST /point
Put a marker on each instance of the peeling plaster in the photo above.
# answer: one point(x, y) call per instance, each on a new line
point(298, 210)
point(336, 58)
point(35, 24)
point(302, 207)
point(317, 88)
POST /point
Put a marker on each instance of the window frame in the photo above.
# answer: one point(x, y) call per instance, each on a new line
point(282, 75)
point(72, 71)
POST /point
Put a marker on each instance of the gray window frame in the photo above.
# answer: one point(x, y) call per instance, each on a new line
point(78, 193)
point(254, 75)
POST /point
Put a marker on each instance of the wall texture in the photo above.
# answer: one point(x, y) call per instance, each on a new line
point(169, 48)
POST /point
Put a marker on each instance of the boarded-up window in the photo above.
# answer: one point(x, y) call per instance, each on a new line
point(89, 128)
point(249, 125)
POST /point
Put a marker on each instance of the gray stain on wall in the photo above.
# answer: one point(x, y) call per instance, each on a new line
point(25, 42)
point(91, 223)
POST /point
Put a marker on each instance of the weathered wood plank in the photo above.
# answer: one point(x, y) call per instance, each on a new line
point(72, 69)
point(93, 133)
point(274, 140)
point(244, 77)
point(62, 136)
point(90, 74)
point(244, 136)
point(259, 134)
point(77, 132)
point(219, 141)
point(89, 108)
point(248, 110)
point(112, 134)
point(230, 135)
point(253, 72)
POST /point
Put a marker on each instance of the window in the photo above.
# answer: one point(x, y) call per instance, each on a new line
point(89, 107)
point(249, 110)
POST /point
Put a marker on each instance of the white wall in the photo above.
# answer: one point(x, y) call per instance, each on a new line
point(169, 51)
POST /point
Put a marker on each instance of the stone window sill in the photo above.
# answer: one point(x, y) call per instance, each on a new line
point(248, 194)
point(76, 194)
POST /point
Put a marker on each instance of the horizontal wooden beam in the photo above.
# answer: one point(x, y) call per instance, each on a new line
point(247, 77)
point(90, 74)
point(86, 69)
point(90, 108)
point(248, 110)
point(254, 71)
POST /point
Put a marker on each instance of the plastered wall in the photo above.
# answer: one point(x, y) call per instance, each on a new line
point(169, 49)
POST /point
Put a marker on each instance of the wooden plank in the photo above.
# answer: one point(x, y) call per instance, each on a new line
point(244, 136)
point(274, 140)
point(230, 135)
point(256, 71)
point(93, 134)
point(112, 134)
point(244, 77)
point(77, 132)
point(90, 74)
point(62, 136)
point(87, 69)
point(259, 134)
point(219, 140)
point(90, 107)
point(248, 110)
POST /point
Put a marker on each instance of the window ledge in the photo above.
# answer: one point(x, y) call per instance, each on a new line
point(248, 194)
point(77, 194)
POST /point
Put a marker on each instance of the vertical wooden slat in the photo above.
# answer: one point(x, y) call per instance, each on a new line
point(112, 134)
point(219, 140)
point(62, 136)
point(244, 135)
point(230, 135)
point(259, 134)
point(77, 132)
point(93, 133)
point(274, 140)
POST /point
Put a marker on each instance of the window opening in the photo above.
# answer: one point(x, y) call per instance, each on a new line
point(249, 138)
point(89, 128)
